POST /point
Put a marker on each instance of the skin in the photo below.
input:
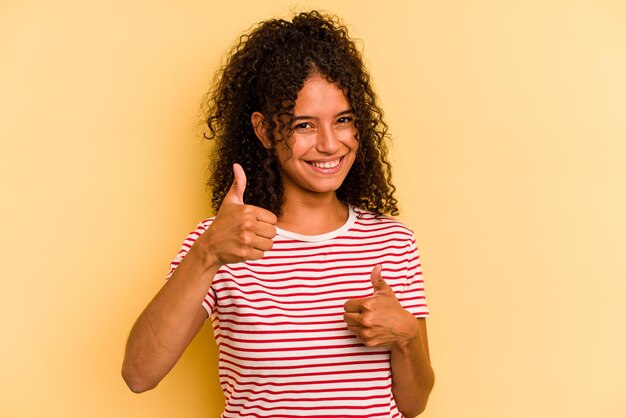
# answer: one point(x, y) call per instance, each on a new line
point(324, 136)
point(380, 321)
point(323, 132)
point(170, 321)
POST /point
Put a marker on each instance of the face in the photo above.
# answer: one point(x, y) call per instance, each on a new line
point(323, 146)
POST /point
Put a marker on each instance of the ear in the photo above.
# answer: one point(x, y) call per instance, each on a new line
point(260, 130)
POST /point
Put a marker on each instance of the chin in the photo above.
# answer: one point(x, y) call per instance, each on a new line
point(325, 188)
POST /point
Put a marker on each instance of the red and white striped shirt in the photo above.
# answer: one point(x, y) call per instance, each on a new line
point(285, 350)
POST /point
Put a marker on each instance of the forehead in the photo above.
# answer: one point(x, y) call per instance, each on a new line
point(319, 96)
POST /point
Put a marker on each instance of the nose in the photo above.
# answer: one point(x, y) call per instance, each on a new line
point(327, 140)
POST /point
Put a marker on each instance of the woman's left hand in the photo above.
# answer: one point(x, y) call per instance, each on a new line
point(379, 320)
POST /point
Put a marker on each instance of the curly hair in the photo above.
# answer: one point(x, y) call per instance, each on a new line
point(264, 72)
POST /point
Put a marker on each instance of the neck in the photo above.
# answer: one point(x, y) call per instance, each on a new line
point(313, 216)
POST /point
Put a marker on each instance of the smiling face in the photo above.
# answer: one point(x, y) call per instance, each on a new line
point(319, 154)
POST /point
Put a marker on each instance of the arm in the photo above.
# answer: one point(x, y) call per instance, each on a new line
point(167, 325)
point(165, 328)
point(381, 321)
point(411, 372)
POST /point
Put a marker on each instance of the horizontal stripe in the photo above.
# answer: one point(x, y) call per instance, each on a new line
point(306, 365)
point(285, 350)
point(308, 357)
point(311, 391)
point(301, 271)
point(319, 374)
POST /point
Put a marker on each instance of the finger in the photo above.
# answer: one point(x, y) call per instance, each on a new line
point(254, 254)
point(352, 319)
point(261, 244)
point(264, 215)
point(378, 283)
point(355, 330)
point(353, 305)
point(265, 230)
point(237, 189)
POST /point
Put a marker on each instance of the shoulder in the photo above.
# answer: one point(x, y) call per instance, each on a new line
point(205, 223)
point(199, 230)
point(366, 220)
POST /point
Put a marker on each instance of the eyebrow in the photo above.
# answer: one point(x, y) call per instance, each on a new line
point(303, 117)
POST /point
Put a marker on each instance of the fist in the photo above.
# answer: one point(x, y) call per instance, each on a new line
point(380, 320)
point(239, 232)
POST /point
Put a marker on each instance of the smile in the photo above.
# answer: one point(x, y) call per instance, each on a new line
point(325, 164)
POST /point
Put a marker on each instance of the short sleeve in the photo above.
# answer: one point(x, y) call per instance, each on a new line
point(210, 299)
point(413, 296)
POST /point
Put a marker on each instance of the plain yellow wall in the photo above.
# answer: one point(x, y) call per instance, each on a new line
point(509, 120)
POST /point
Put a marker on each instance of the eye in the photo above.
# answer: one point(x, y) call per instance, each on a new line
point(303, 125)
point(345, 119)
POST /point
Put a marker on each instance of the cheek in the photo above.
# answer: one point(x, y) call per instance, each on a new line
point(353, 144)
point(283, 153)
point(349, 139)
point(293, 148)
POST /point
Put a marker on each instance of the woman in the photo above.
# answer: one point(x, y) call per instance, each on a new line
point(314, 292)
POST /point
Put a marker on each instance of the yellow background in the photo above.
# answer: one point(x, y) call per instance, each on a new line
point(509, 120)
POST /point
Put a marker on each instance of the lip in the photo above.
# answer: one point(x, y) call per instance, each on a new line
point(333, 170)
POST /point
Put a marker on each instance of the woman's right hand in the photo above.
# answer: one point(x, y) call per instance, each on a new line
point(239, 232)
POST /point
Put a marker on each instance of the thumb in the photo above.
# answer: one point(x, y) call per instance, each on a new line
point(378, 283)
point(235, 193)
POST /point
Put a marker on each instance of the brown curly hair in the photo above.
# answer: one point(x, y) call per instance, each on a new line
point(264, 72)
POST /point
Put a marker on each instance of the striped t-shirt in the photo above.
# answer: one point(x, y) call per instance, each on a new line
point(284, 348)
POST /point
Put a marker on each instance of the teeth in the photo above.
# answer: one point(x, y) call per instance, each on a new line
point(328, 164)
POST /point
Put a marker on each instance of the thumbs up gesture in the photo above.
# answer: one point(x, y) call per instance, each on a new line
point(239, 232)
point(237, 189)
point(379, 320)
